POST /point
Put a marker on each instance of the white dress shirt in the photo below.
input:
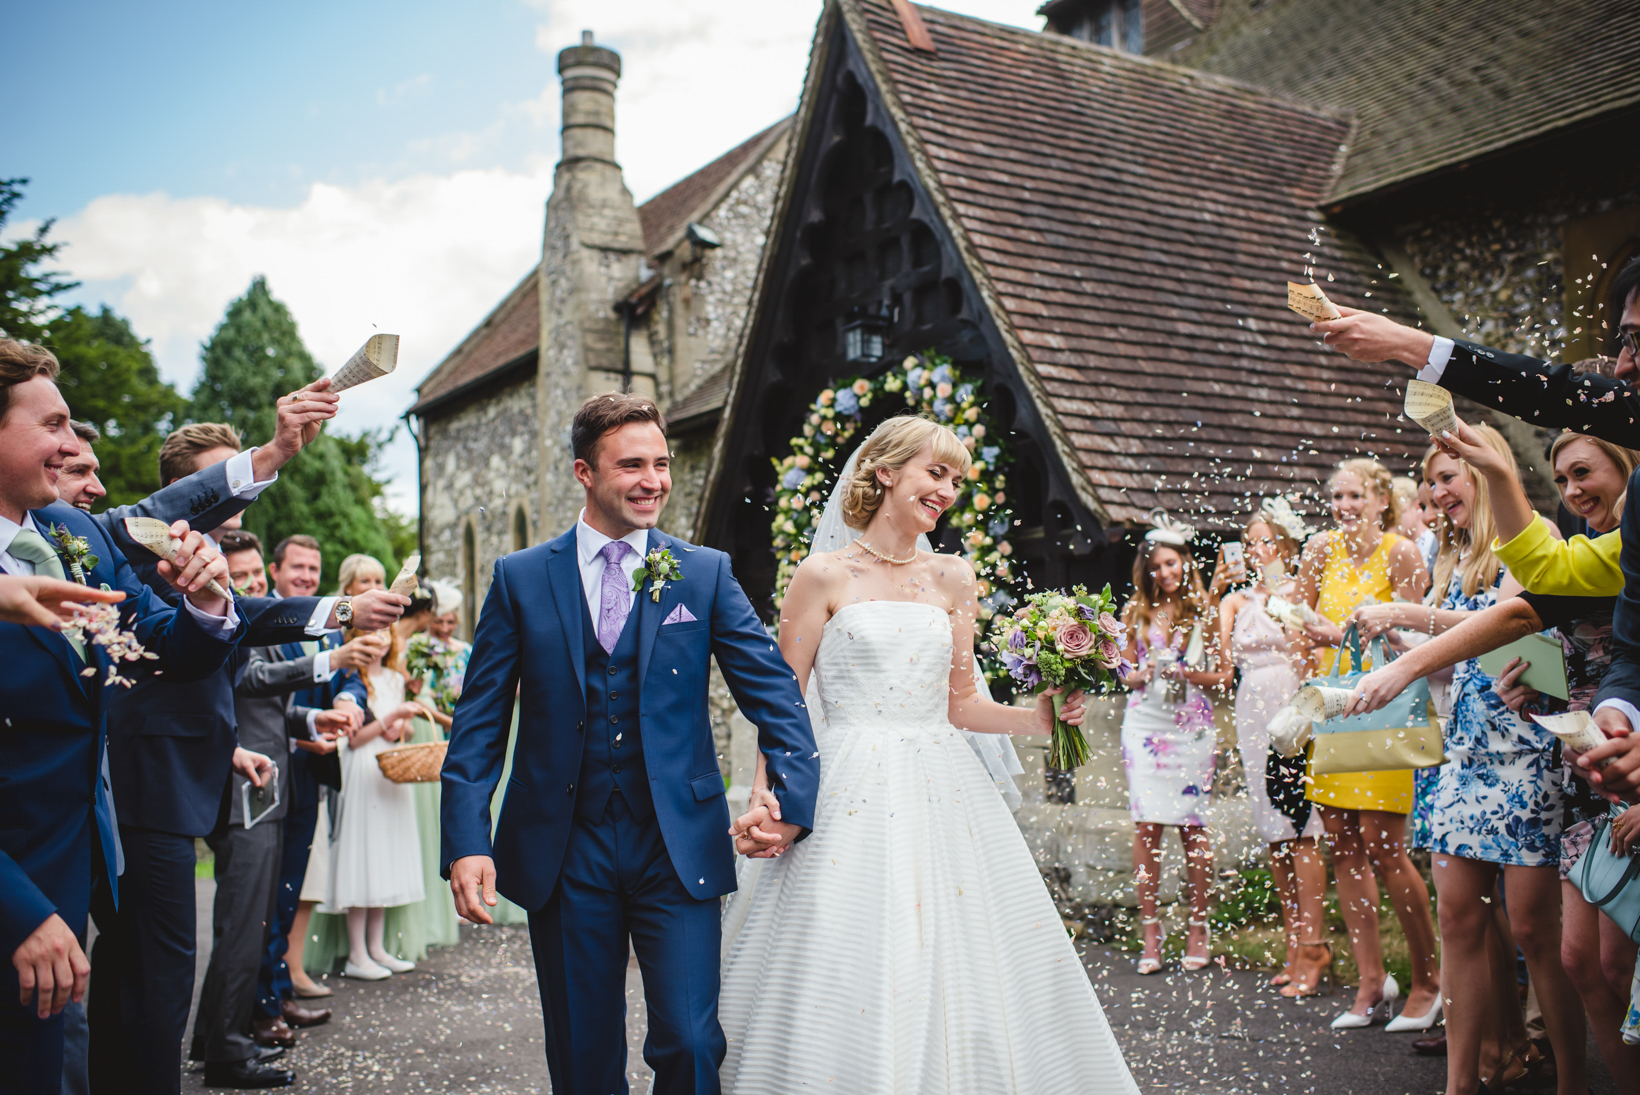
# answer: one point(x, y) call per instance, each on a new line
point(1439, 354)
point(218, 627)
point(588, 543)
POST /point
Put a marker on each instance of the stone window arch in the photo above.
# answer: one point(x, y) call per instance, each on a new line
point(469, 577)
point(521, 527)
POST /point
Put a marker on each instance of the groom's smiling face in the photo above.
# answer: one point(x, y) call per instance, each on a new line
point(628, 479)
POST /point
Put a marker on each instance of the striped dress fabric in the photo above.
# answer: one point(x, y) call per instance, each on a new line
point(908, 945)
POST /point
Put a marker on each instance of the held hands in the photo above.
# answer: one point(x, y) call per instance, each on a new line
point(198, 563)
point(46, 602)
point(51, 968)
point(759, 833)
point(1367, 336)
point(472, 881)
point(253, 766)
point(1515, 696)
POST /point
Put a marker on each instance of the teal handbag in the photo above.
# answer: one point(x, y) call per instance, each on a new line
point(1402, 734)
point(1607, 880)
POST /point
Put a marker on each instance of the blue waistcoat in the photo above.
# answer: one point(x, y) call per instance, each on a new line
point(612, 752)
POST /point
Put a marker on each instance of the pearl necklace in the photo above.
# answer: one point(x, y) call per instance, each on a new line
point(887, 558)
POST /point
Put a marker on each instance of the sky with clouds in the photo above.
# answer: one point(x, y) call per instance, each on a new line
point(385, 165)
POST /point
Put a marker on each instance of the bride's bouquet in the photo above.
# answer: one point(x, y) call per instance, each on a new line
point(1070, 640)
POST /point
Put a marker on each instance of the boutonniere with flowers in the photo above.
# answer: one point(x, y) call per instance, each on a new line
point(76, 550)
point(659, 567)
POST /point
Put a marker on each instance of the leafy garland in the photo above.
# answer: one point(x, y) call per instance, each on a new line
point(930, 385)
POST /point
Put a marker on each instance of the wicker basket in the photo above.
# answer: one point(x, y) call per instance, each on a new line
point(413, 763)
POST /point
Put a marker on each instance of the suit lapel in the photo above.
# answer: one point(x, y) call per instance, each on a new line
point(54, 643)
point(564, 575)
point(650, 614)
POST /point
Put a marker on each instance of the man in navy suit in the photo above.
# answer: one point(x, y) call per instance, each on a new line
point(615, 826)
point(56, 826)
point(172, 746)
point(311, 718)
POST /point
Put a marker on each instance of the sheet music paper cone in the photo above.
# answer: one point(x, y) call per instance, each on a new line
point(406, 582)
point(155, 535)
point(1319, 703)
point(1575, 729)
point(1288, 612)
point(1309, 301)
point(1430, 405)
point(376, 358)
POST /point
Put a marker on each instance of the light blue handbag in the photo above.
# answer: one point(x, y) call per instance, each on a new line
point(1402, 734)
point(1607, 880)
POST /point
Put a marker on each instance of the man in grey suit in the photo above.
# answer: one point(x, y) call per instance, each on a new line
point(248, 855)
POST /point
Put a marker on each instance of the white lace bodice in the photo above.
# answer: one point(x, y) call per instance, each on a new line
point(886, 662)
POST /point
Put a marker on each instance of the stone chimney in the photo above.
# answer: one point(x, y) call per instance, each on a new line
point(591, 257)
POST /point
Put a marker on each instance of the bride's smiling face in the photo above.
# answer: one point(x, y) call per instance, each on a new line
point(920, 491)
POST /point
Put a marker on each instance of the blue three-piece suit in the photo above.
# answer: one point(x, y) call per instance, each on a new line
point(614, 825)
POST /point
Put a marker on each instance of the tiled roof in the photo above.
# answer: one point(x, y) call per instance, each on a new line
point(510, 331)
point(703, 398)
point(667, 214)
point(1132, 224)
point(1432, 83)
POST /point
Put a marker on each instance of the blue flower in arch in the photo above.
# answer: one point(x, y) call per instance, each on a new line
point(847, 402)
point(965, 393)
point(989, 454)
point(942, 375)
point(793, 478)
point(942, 409)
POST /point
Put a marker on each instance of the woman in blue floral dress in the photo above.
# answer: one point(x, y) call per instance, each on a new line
point(1497, 806)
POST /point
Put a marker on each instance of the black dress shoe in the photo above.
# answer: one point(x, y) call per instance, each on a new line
point(246, 1075)
point(298, 1016)
point(1430, 1047)
point(268, 1053)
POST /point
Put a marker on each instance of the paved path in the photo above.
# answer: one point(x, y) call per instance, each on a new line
point(469, 1020)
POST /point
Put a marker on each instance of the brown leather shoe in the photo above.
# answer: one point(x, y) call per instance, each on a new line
point(298, 1016)
point(1430, 1047)
point(270, 1031)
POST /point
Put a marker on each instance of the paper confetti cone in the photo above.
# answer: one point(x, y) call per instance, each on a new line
point(376, 358)
point(1309, 301)
point(1430, 405)
point(155, 535)
point(406, 583)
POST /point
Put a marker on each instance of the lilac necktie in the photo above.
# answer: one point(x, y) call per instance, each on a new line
point(615, 596)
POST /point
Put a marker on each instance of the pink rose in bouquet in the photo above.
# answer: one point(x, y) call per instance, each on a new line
point(1074, 640)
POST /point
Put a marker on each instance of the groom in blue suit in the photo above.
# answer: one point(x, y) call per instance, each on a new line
point(615, 827)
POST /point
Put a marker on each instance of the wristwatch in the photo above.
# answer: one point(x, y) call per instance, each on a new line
point(344, 611)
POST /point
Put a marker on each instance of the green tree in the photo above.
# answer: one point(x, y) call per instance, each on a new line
point(255, 356)
point(110, 380)
point(26, 294)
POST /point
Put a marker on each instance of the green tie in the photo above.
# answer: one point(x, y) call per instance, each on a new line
point(31, 547)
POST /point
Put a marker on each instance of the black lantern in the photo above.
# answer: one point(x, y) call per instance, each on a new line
point(865, 335)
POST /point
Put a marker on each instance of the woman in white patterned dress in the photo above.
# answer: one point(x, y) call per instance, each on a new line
point(908, 944)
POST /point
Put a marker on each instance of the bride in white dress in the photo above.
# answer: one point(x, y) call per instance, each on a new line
point(908, 944)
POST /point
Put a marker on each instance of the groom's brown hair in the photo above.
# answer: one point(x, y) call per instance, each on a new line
point(605, 412)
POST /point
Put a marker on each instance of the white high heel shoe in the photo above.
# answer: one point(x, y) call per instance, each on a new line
point(1193, 964)
point(1152, 965)
point(1405, 1022)
point(1383, 1008)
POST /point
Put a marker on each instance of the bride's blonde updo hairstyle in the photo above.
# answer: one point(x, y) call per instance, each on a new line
point(891, 446)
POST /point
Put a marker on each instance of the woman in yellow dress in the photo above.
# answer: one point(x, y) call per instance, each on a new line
point(1362, 561)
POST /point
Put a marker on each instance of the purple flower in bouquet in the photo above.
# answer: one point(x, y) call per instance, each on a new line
point(1017, 639)
point(1074, 640)
point(1022, 668)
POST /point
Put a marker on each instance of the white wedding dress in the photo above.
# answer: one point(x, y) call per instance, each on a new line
point(908, 945)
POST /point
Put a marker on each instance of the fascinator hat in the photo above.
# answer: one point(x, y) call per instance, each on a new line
point(446, 596)
point(1167, 530)
point(1278, 510)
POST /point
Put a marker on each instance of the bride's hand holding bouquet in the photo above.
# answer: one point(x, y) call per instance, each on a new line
point(1062, 645)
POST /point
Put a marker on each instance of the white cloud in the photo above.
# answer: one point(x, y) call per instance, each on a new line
point(428, 255)
point(424, 257)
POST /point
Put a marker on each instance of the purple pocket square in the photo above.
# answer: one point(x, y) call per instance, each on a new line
point(679, 615)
